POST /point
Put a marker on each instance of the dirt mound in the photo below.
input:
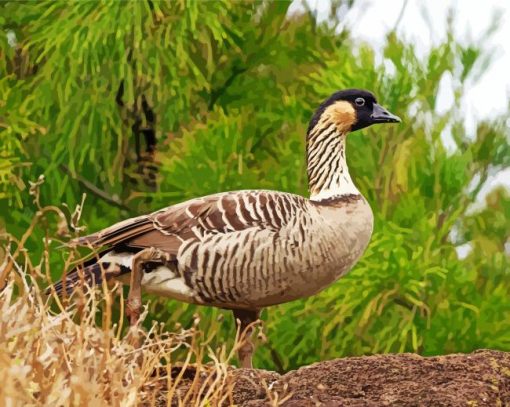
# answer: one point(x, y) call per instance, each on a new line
point(478, 379)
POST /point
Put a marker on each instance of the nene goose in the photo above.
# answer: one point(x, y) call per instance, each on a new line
point(246, 250)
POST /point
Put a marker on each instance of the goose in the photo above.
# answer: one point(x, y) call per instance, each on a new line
point(250, 249)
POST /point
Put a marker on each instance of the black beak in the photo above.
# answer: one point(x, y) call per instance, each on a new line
point(381, 115)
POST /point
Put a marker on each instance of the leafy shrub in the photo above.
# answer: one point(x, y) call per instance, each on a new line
point(227, 88)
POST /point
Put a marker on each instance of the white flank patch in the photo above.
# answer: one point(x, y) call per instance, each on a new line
point(163, 281)
point(175, 287)
point(122, 258)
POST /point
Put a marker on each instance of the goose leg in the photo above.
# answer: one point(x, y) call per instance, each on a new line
point(243, 319)
point(134, 300)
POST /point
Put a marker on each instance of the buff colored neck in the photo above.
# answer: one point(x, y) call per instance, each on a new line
point(332, 178)
point(328, 174)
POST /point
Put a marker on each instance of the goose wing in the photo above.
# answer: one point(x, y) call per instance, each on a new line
point(169, 227)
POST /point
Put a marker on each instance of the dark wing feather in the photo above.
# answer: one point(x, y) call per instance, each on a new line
point(167, 228)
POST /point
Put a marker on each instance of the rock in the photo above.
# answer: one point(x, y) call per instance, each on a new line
point(479, 379)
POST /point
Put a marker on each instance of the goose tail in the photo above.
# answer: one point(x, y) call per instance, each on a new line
point(83, 277)
point(91, 275)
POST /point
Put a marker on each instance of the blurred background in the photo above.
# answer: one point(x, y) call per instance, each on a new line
point(126, 107)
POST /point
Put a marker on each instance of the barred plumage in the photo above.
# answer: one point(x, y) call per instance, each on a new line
point(246, 250)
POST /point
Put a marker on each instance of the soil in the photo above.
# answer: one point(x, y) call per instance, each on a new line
point(478, 379)
point(481, 378)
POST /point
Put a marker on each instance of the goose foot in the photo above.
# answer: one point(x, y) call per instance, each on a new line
point(245, 320)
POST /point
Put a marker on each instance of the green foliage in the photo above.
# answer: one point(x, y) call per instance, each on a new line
point(232, 86)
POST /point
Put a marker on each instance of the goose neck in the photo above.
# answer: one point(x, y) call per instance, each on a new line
point(328, 173)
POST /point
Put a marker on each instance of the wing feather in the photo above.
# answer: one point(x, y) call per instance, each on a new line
point(169, 227)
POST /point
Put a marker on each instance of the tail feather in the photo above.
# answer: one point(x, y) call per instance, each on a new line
point(79, 277)
point(111, 264)
point(83, 278)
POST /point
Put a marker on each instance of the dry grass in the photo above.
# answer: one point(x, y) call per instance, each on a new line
point(64, 358)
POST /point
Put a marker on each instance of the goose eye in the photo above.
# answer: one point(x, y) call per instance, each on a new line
point(359, 102)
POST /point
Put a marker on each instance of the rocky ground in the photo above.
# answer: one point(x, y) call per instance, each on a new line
point(481, 378)
point(478, 379)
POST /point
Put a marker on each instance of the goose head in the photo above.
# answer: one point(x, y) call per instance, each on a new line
point(350, 110)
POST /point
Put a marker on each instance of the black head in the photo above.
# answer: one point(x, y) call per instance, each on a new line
point(352, 109)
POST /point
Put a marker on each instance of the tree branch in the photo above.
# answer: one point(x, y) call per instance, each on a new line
point(89, 186)
point(216, 93)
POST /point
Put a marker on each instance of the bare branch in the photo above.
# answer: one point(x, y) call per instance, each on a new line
point(89, 186)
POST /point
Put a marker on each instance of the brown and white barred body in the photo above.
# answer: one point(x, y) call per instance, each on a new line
point(252, 249)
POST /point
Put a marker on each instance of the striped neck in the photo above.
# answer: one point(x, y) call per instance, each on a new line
point(328, 174)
